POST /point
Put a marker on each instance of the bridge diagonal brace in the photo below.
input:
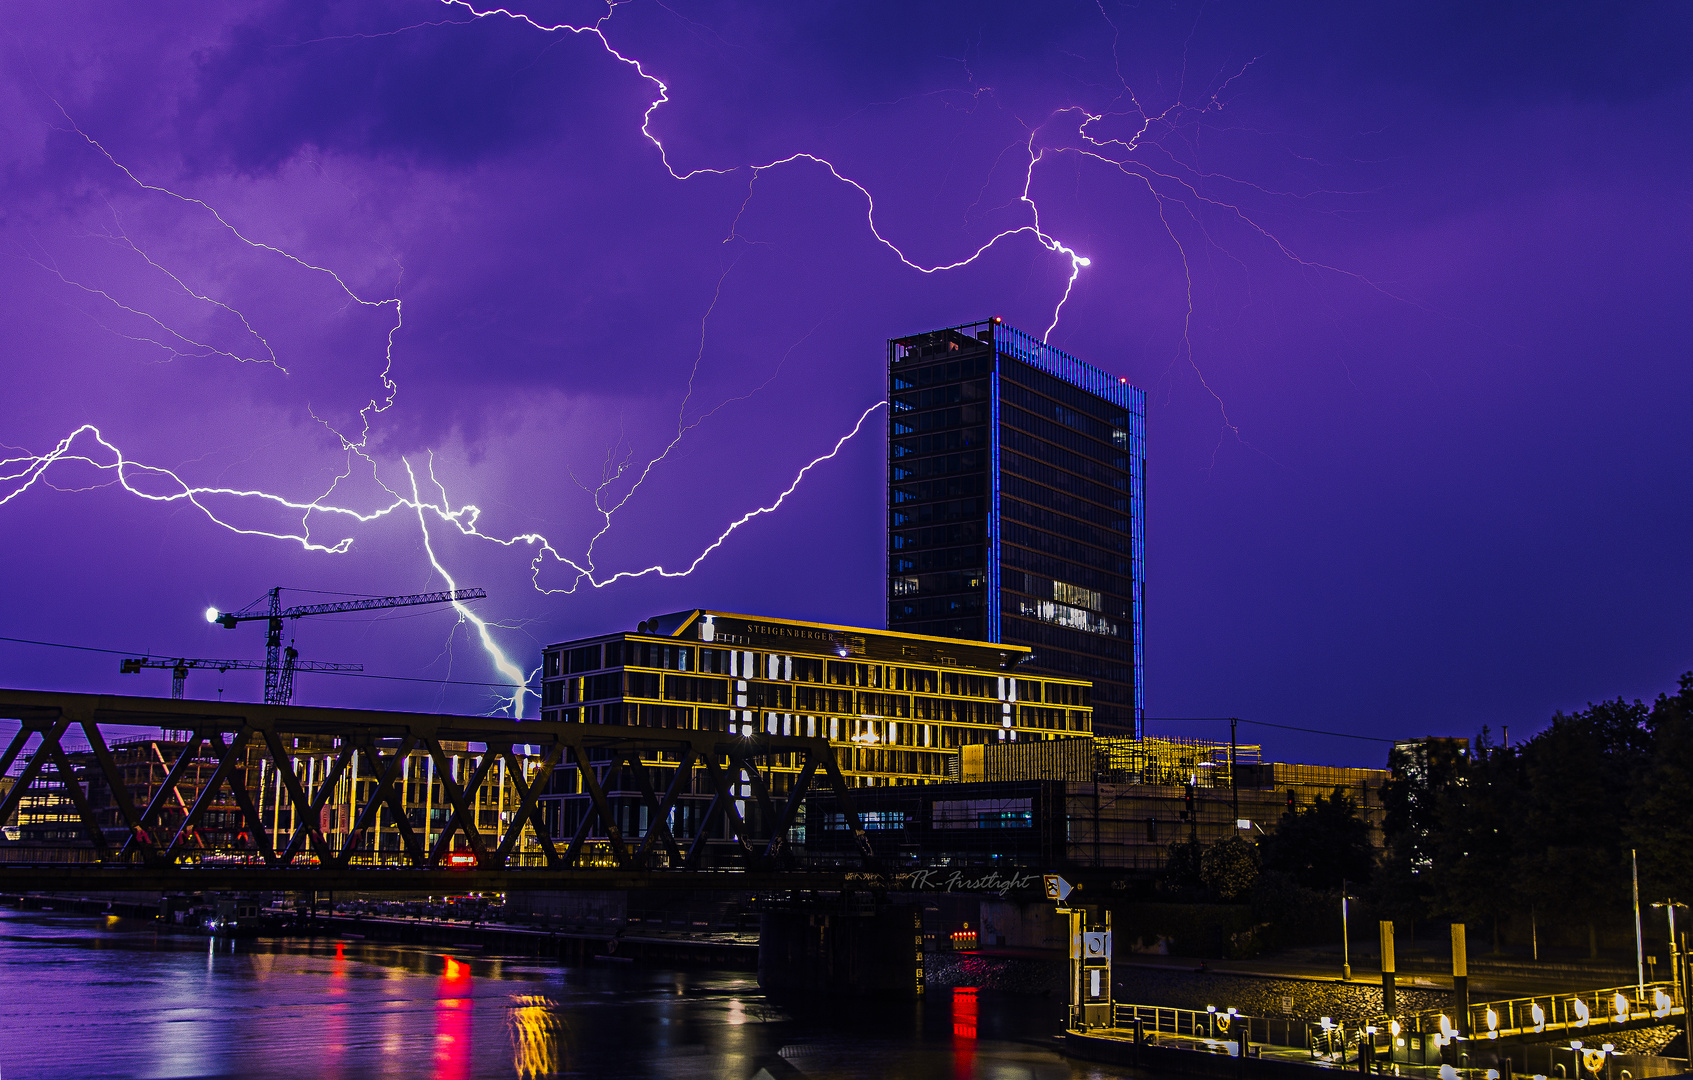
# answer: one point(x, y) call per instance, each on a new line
point(114, 783)
point(15, 747)
point(368, 812)
point(660, 828)
point(209, 790)
point(49, 736)
point(79, 799)
point(719, 799)
point(244, 799)
point(529, 811)
point(462, 819)
point(310, 824)
point(602, 806)
point(283, 762)
point(167, 792)
point(791, 808)
point(726, 800)
point(395, 801)
point(843, 798)
point(761, 792)
point(589, 816)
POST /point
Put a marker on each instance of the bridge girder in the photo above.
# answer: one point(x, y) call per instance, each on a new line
point(148, 859)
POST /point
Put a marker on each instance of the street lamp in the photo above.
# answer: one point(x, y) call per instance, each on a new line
point(1678, 968)
point(1669, 907)
point(1345, 937)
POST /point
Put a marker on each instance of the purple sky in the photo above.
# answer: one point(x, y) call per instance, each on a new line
point(1410, 293)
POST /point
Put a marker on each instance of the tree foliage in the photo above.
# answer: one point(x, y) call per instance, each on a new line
point(1546, 825)
point(1229, 867)
point(1322, 845)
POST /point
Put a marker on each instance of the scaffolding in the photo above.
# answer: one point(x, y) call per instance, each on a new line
point(1171, 760)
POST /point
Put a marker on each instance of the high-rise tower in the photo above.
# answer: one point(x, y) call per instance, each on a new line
point(1016, 506)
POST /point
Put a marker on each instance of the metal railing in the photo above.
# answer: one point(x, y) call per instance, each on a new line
point(1597, 1010)
point(1415, 1038)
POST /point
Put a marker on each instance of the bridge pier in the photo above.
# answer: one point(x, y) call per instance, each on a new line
point(836, 949)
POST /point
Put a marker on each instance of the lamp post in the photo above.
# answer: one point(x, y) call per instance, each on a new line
point(1639, 938)
point(1345, 937)
point(1669, 907)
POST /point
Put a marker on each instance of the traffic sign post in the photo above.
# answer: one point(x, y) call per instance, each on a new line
point(1090, 959)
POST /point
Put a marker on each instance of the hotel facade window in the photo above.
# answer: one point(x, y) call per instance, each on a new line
point(1016, 507)
point(896, 706)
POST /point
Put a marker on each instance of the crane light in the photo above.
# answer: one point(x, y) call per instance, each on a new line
point(211, 614)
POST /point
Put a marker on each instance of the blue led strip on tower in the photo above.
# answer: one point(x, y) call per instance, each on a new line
point(1038, 354)
point(1009, 341)
point(994, 600)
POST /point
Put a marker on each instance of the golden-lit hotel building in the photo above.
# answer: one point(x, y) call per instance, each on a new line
point(897, 707)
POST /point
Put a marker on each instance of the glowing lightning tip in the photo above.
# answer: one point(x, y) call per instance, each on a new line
point(1082, 260)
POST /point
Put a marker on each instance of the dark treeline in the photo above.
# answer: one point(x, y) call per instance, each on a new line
point(1542, 830)
point(1503, 837)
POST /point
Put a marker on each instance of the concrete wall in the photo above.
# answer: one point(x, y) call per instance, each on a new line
point(1013, 924)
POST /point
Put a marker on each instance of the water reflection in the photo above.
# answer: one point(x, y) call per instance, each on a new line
point(453, 1021)
point(125, 1000)
point(534, 1036)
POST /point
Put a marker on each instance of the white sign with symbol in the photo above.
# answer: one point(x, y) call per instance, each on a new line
point(1056, 887)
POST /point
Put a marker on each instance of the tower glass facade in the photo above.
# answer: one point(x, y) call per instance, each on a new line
point(1016, 506)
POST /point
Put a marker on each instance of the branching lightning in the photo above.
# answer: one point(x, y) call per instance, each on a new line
point(326, 525)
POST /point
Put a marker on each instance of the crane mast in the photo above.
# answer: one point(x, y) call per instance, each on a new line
point(279, 668)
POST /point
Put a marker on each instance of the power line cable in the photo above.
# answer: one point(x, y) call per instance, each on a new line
point(1263, 723)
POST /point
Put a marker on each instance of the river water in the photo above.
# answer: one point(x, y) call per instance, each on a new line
point(86, 996)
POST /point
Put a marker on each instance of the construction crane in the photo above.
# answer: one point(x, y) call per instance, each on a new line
point(279, 678)
point(180, 666)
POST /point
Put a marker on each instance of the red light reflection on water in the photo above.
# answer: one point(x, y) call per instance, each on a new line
point(964, 1031)
point(334, 1033)
point(452, 1022)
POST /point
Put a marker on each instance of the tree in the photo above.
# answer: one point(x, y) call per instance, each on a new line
point(1322, 845)
point(1422, 774)
point(1182, 869)
point(1661, 818)
point(1229, 867)
point(1571, 855)
point(1475, 844)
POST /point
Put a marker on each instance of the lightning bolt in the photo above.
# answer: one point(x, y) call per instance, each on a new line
point(326, 524)
point(1170, 189)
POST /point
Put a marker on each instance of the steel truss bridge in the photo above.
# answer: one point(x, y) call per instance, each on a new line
point(145, 855)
